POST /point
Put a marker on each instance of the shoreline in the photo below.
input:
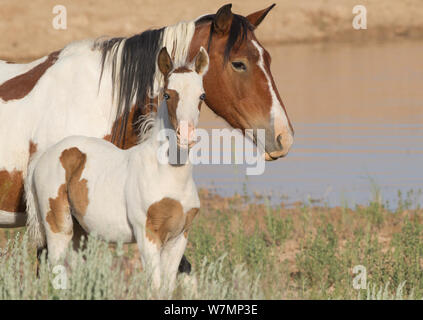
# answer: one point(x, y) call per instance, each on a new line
point(327, 42)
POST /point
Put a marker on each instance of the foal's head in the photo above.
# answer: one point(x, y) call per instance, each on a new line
point(184, 93)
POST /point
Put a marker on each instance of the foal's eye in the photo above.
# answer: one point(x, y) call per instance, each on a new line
point(166, 96)
point(239, 66)
point(203, 96)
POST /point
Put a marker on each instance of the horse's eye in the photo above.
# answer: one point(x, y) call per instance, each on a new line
point(239, 66)
point(166, 96)
point(203, 96)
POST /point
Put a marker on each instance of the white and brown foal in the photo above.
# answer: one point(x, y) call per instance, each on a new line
point(124, 195)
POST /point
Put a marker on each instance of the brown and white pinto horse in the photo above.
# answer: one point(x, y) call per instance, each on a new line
point(100, 88)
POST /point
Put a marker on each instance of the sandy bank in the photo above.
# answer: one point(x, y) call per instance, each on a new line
point(27, 32)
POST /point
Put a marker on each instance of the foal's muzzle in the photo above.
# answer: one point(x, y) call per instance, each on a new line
point(185, 134)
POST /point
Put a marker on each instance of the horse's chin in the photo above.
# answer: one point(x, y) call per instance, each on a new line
point(268, 157)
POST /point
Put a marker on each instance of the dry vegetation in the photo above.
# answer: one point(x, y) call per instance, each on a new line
point(271, 252)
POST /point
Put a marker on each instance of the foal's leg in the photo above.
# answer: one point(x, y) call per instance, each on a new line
point(78, 233)
point(58, 225)
point(171, 257)
point(150, 256)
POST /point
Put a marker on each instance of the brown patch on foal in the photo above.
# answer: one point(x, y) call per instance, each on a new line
point(172, 105)
point(59, 216)
point(11, 191)
point(72, 194)
point(188, 222)
point(19, 86)
point(73, 161)
point(165, 220)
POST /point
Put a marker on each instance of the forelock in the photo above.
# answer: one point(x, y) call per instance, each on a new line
point(237, 33)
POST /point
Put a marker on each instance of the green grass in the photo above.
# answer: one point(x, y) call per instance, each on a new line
point(241, 250)
point(310, 252)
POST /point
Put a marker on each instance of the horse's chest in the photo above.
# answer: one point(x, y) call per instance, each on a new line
point(166, 219)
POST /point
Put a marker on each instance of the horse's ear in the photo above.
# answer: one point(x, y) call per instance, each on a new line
point(257, 17)
point(201, 62)
point(223, 19)
point(164, 61)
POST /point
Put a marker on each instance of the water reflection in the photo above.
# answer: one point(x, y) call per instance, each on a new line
point(358, 116)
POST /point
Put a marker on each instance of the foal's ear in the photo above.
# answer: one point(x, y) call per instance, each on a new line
point(257, 17)
point(165, 62)
point(201, 62)
point(223, 19)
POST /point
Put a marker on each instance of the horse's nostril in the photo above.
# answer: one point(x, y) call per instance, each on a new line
point(279, 141)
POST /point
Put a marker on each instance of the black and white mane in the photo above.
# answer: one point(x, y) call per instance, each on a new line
point(132, 62)
point(133, 67)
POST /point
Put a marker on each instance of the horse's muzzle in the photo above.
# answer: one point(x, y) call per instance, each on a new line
point(280, 147)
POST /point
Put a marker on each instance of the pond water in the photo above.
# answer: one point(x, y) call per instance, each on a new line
point(357, 112)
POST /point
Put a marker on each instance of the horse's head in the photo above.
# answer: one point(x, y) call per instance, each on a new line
point(239, 85)
point(183, 91)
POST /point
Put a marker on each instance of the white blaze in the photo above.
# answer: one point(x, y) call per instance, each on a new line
point(277, 113)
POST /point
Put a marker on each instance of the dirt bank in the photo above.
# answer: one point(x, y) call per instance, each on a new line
point(27, 32)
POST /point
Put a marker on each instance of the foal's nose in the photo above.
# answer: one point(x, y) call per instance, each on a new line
point(186, 133)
